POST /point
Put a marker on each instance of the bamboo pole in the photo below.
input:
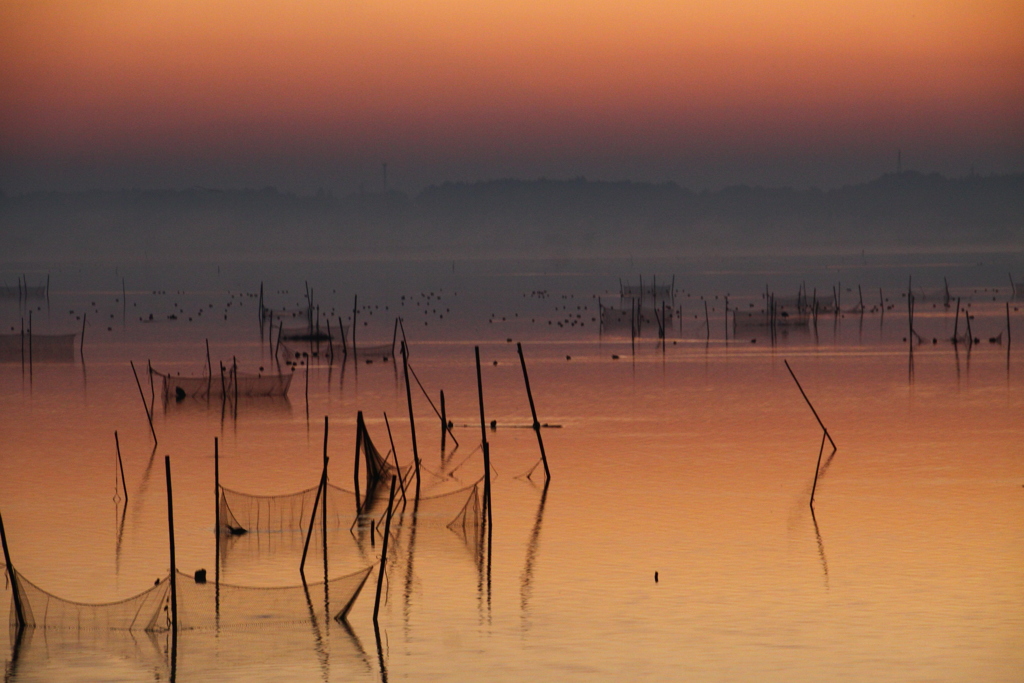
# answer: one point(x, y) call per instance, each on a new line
point(956, 323)
point(1008, 339)
point(120, 465)
point(412, 420)
point(394, 337)
point(970, 334)
point(483, 434)
point(323, 510)
point(809, 405)
point(19, 609)
point(384, 551)
point(817, 467)
point(533, 411)
point(216, 517)
point(149, 415)
point(170, 533)
point(209, 370)
point(312, 520)
point(394, 454)
point(81, 341)
point(355, 311)
point(359, 445)
point(444, 412)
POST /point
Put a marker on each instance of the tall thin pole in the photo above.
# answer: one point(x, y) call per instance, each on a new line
point(802, 393)
point(142, 395)
point(444, 413)
point(19, 610)
point(216, 515)
point(312, 521)
point(120, 465)
point(394, 454)
point(533, 411)
point(817, 467)
point(323, 511)
point(483, 434)
point(384, 550)
point(209, 370)
point(355, 311)
point(359, 445)
point(412, 420)
point(170, 532)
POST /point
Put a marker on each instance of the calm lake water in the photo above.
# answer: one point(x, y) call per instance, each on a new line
point(693, 459)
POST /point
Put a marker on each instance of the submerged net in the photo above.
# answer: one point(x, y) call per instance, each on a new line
point(459, 511)
point(375, 351)
point(244, 512)
point(247, 385)
point(200, 605)
point(147, 611)
point(204, 606)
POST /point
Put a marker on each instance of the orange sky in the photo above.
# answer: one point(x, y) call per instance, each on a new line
point(274, 92)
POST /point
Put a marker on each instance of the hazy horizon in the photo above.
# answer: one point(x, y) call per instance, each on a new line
point(155, 95)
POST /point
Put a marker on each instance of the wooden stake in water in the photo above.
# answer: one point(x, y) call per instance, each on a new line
point(394, 454)
point(170, 533)
point(412, 420)
point(384, 550)
point(323, 511)
point(19, 610)
point(444, 413)
point(120, 465)
point(81, 343)
point(533, 411)
point(809, 405)
point(355, 311)
point(216, 517)
point(483, 434)
point(956, 323)
point(142, 395)
point(1008, 339)
point(320, 494)
point(817, 468)
point(355, 473)
point(209, 371)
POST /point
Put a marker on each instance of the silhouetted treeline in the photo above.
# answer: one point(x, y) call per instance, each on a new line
point(516, 217)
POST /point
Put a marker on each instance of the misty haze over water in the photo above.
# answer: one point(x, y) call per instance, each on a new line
point(579, 218)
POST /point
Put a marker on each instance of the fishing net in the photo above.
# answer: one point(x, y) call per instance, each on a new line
point(305, 333)
point(147, 611)
point(382, 352)
point(243, 512)
point(200, 605)
point(457, 510)
point(205, 387)
point(205, 606)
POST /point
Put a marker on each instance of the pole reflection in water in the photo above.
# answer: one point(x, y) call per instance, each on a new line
point(526, 580)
